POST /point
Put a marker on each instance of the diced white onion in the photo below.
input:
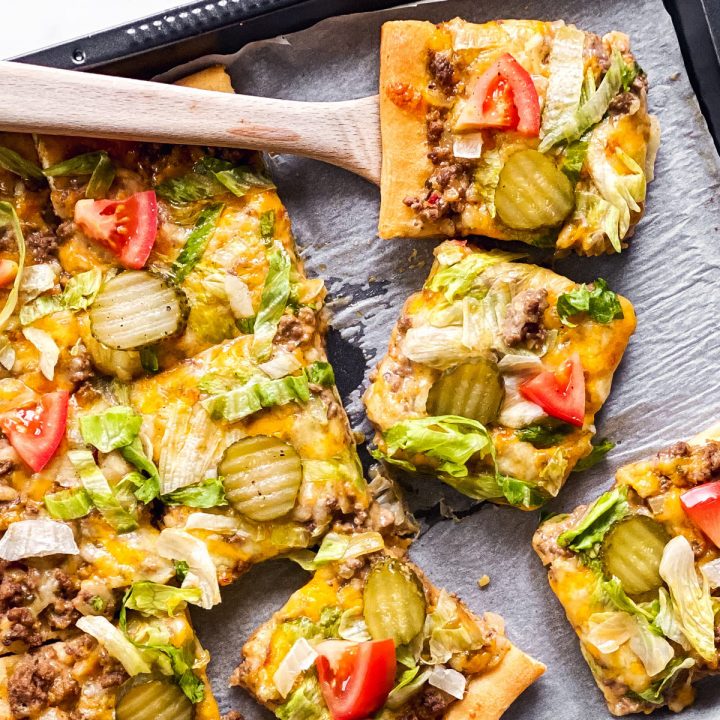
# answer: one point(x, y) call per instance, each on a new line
point(516, 411)
point(37, 279)
point(448, 680)
point(211, 521)
point(282, 363)
point(48, 349)
point(300, 658)
point(468, 146)
point(177, 544)
point(239, 297)
point(525, 364)
point(656, 504)
point(37, 538)
point(115, 642)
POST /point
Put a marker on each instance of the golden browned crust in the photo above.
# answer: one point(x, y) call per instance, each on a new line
point(212, 78)
point(489, 695)
point(405, 166)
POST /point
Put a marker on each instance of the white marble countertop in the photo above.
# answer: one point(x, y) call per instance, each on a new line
point(33, 24)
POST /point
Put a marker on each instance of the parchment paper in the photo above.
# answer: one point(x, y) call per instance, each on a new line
point(668, 385)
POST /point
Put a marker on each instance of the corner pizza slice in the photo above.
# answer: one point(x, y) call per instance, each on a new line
point(494, 375)
point(638, 574)
point(516, 129)
point(370, 636)
point(147, 666)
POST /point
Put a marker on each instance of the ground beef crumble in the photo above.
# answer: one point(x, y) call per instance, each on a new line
point(295, 330)
point(430, 704)
point(442, 70)
point(523, 322)
point(42, 245)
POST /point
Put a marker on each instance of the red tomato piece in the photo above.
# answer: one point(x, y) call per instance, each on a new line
point(504, 98)
point(36, 432)
point(356, 678)
point(562, 394)
point(126, 227)
point(8, 272)
point(702, 506)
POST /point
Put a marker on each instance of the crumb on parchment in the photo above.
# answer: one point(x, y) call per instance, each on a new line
point(484, 581)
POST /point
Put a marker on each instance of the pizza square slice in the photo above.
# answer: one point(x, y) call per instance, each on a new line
point(638, 571)
point(370, 636)
point(136, 668)
point(517, 130)
point(494, 374)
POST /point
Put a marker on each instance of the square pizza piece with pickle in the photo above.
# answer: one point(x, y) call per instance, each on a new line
point(638, 575)
point(370, 636)
point(515, 129)
point(494, 375)
point(146, 665)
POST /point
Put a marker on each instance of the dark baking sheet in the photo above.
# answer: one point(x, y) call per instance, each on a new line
point(457, 555)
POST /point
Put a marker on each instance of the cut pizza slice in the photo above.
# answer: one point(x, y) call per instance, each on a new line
point(516, 129)
point(638, 573)
point(494, 375)
point(149, 665)
point(369, 636)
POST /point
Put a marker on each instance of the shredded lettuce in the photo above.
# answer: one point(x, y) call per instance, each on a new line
point(47, 347)
point(206, 494)
point(273, 301)
point(543, 436)
point(236, 404)
point(118, 428)
point(196, 242)
point(38, 537)
point(598, 215)
point(592, 110)
point(598, 519)
point(518, 493)
point(68, 504)
point(337, 547)
point(158, 600)
point(15, 163)
point(574, 158)
point(448, 631)
point(8, 216)
point(614, 592)
point(115, 642)
point(78, 294)
point(267, 226)
point(566, 69)
point(690, 598)
point(595, 456)
point(407, 686)
point(305, 703)
point(100, 492)
point(110, 429)
point(450, 440)
point(598, 301)
point(321, 373)
point(457, 280)
point(209, 178)
point(96, 164)
point(655, 692)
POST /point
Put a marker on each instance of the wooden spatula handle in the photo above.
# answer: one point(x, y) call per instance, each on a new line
point(63, 102)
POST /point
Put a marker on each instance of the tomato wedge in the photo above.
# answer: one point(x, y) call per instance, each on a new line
point(36, 432)
point(355, 678)
point(8, 272)
point(504, 98)
point(126, 227)
point(702, 506)
point(562, 394)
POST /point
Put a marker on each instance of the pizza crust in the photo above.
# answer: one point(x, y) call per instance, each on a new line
point(489, 695)
point(212, 78)
point(405, 165)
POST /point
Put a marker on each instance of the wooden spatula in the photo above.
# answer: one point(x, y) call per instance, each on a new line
point(63, 102)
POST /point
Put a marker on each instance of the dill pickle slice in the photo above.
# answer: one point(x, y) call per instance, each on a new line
point(473, 390)
point(394, 602)
point(262, 476)
point(147, 697)
point(632, 552)
point(533, 192)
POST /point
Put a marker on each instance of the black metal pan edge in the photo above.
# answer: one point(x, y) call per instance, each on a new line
point(155, 44)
